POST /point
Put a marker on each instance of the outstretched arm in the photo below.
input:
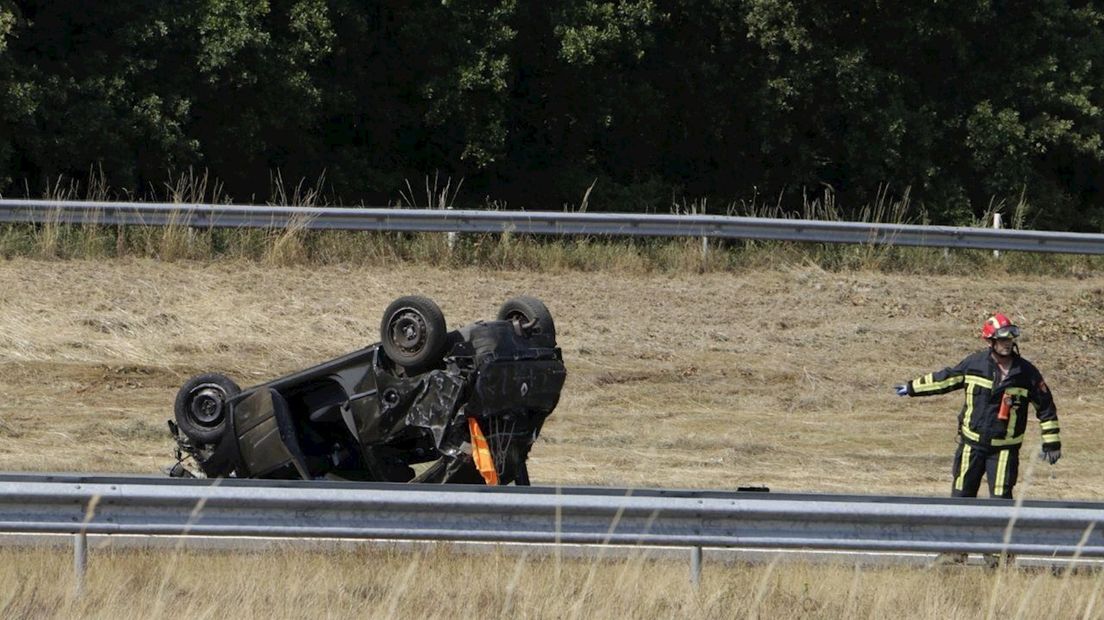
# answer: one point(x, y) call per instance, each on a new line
point(938, 382)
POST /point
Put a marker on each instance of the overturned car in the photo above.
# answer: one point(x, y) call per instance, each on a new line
point(423, 405)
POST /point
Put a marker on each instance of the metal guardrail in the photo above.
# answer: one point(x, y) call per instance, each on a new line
point(245, 508)
point(36, 503)
point(544, 222)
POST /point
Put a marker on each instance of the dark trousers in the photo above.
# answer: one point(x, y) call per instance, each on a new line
point(1000, 466)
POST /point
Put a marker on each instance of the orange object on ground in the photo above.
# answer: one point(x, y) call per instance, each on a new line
point(481, 453)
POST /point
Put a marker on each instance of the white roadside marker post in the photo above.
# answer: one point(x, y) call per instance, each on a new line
point(996, 225)
point(451, 238)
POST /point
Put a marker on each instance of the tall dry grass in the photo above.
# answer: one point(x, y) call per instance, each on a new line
point(295, 245)
point(438, 583)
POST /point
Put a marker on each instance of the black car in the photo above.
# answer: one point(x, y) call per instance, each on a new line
point(423, 405)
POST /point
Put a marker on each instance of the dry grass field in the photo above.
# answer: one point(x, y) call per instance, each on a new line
point(440, 584)
point(779, 377)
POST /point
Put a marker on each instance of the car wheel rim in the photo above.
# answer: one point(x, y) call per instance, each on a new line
point(207, 404)
point(408, 331)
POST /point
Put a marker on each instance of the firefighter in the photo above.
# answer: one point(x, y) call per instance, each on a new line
point(998, 385)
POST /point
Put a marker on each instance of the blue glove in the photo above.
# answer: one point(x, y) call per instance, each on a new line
point(1050, 455)
point(902, 390)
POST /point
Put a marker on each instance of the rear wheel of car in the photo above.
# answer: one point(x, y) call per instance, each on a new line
point(413, 332)
point(531, 313)
point(201, 407)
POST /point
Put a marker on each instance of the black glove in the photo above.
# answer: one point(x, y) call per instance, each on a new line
point(1050, 455)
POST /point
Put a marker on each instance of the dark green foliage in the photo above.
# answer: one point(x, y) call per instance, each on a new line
point(636, 104)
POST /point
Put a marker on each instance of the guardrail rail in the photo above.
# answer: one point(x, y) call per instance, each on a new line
point(545, 223)
point(81, 505)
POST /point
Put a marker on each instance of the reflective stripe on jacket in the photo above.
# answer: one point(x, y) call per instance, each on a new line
point(978, 423)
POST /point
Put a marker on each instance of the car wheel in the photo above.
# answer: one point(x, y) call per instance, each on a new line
point(413, 332)
point(201, 407)
point(529, 310)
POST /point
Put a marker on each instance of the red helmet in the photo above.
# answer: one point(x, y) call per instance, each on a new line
point(998, 326)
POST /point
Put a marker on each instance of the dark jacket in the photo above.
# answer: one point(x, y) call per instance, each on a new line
point(978, 423)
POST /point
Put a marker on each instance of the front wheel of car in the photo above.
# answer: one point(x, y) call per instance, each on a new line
point(201, 408)
point(413, 332)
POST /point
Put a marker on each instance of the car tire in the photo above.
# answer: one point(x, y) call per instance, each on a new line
point(201, 407)
point(413, 332)
point(526, 309)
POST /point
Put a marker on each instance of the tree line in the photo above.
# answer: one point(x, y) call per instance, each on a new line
point(961, 105)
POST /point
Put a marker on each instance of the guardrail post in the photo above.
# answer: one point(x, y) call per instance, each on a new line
point(695, 566)
point(80, 560)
